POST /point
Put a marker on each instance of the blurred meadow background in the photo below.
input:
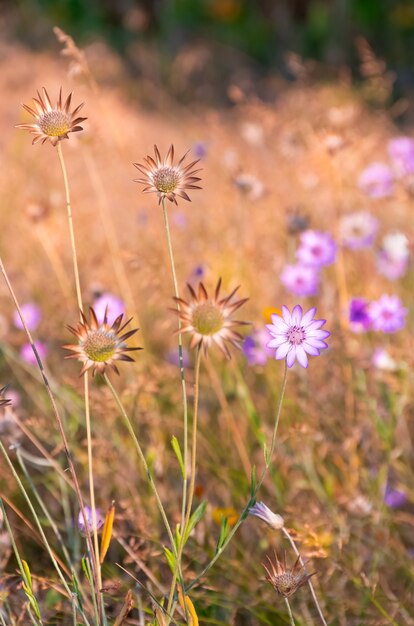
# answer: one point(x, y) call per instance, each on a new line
point(301, 113)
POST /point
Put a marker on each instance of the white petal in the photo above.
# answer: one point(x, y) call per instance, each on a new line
point(301, 356)
point(291, 356)
point(276, 342)
point(282, 350)
point(297, 315)
point(286, 315)
point(278, 324)
point(310, 349)
point(315, 324)
point(317, 334)
point(317, 343)
point(308, 317)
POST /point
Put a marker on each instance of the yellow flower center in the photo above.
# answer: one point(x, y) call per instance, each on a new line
point(207, 319)
point(166, 179)
point(100, 345)
point(55, 123)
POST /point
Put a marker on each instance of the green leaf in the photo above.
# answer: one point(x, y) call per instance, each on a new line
point(27, 575)
point(253, 482)
point(224, 531)
point(170, 559)
point(177, 450)
point(194, 519)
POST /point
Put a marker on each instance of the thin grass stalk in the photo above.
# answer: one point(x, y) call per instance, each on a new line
point(96, 566)
point(292, 621)
point(17, 555)
point(45, 511)
point(55, 410)
point(301, 561)
point(252, 499)
point(36, 518)
point(191, 486)
point(143, 461)
point(181, 362)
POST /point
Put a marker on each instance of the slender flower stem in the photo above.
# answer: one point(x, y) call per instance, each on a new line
point(292, 621)
point(301, 561)
point(95, 558)
point(143, 461)
point(252, 499)
point(191, 487)
point(55, 411)
point(181, 362)
point(91, 482)
point(70, 221)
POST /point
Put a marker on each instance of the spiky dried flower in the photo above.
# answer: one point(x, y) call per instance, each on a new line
point(4, 401)
point(53, 123)
point(209, 320)
point(100, 344)
point(166, 179)
point(286, 580)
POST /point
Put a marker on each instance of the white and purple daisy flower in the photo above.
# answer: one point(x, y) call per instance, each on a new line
point(358, 230)
point(387, 314)
point(376, 180)
point(316, 248)
point(299, 279)
point(294, 335)
point(392, 259)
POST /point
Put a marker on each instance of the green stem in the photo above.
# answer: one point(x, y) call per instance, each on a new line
point(143, 461)
point(181, 362)
point(252, 499)
point(191, 487)
point(292, 621)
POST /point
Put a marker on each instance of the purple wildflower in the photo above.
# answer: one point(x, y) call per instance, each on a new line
point(394, 498)
point(27, 354)
point(316, 248)
point(263, 512)
point(31, 314)
point(295, 334)
point(301, 280)
point(89, 520)
point(376, 180)
point(359, 318)
point(200, 149)
point(387, 314)
point(255, 347)
point(115, 306)
point(401, 151)
point(358, 230)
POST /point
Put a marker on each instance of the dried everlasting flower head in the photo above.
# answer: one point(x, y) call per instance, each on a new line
point(166, 179)
point(209, 320)
point(52, 122)
point(286, 581)
point(99, 343)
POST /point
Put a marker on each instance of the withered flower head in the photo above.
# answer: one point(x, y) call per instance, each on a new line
point(209, 320)
point(99, 343)
point(166, 179)
point(52, 122)
point(4, 401)
point(286, 581)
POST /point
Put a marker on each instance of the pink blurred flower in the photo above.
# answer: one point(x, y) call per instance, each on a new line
point(115, 306)
point(376, 180)
point(359, 318)
point(387, 314)
point(392, 259)
point(27, 354)
point(255, 347)
point(316, 248)
point(299, 279)
point(31, 314)
point(382, 360)
point(401, 151)
point(89, 520)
